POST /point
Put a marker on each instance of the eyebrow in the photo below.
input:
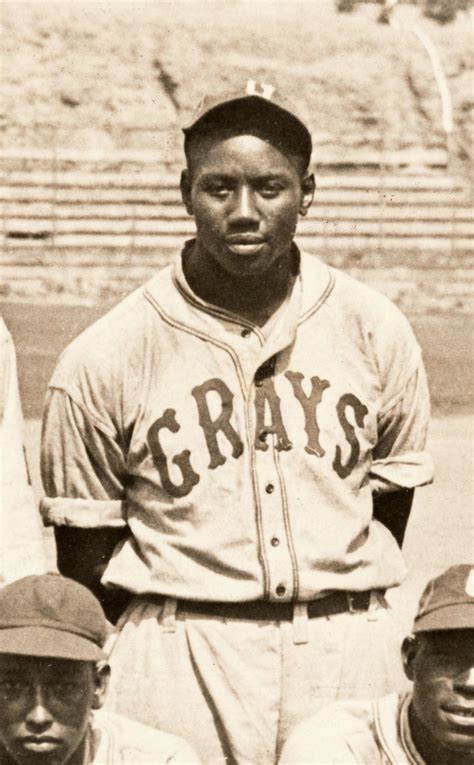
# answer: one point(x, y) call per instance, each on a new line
point(229, 177)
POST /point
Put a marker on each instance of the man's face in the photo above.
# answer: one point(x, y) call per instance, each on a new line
point(245, 196)
point(441, 664)
point(45, 707)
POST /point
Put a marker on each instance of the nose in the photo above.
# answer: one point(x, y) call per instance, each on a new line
point(39, 717)
point(244, 209)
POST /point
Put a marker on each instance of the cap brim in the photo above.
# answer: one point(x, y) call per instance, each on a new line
point(44, 641)
point(454, 617)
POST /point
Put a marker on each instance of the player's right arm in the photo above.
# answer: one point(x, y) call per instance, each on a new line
point(83, 473)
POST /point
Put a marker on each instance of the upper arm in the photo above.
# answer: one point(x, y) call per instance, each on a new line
point(399, 458)
point(83, 472)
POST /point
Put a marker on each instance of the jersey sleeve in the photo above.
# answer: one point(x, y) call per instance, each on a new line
point(400, 459)
point(82, 466)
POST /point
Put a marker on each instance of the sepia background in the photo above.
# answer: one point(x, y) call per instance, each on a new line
point(93, 95)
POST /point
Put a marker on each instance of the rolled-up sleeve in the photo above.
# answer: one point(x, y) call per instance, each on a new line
point(400, 459)
point(82, 467)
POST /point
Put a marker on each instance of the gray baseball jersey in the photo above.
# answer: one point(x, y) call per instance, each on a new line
point(243, 459)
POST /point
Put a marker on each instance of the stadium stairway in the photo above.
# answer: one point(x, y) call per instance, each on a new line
point(82, 225)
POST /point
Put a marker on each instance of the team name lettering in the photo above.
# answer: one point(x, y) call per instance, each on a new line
point(266, 398)
point(214, 402)
point(309, 404)
point(360, 410)
point(190, 477)
point(222, 423)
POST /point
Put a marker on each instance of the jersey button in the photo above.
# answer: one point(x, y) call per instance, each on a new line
point(269, 488)
point(263, 435)
point(280, 590)
point(275, 542)
point(245, 333)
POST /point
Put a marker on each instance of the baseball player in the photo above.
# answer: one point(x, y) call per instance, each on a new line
point(21, 544)
point(53, 680)
point(431, 725)
point(235, 446)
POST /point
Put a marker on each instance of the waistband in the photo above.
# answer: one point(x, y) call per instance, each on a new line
point(260, 610)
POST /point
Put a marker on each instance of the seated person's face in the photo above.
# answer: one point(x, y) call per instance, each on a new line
point(442, 667)
point(45, 707)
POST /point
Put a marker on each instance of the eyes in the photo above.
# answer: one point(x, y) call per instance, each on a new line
point(60, 688)
point(223, 188)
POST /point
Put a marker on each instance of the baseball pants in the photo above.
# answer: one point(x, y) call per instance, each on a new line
point(234, 688)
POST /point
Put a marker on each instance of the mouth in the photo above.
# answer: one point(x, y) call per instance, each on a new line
point(245, 244)
point(40, 743)
point(460, 715)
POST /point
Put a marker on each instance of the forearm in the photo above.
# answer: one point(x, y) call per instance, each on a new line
point(83, 555)
point(393, 510)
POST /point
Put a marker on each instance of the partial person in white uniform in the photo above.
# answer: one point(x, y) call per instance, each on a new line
point(232, 452)
point(21, 544)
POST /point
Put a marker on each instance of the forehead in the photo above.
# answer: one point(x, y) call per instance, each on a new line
point(458, 643)
point(44, 666)
point(241, 153)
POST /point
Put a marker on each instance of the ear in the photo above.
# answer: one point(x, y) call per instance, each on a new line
point(308, 187)
point(410, 649)
point(185, 186)
point(101, 683)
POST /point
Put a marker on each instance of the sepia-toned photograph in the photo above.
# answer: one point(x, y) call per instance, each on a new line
point(237, 382)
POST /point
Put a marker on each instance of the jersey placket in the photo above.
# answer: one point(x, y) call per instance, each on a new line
point(278, 558)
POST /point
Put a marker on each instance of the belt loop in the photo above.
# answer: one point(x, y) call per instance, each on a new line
point(373, 610)
point(167, 617)
point(300, 623)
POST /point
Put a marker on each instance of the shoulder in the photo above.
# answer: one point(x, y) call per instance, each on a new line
point(123, 742)
point(353, 300)
point(328, 737)
point(114, 339)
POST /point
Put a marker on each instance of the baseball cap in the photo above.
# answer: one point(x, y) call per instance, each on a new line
point(269, 107)
point(50, 615)
point(447, 602)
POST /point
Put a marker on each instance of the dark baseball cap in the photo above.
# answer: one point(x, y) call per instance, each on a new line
point(269, 108)
point(50, 615)
point(447, 602)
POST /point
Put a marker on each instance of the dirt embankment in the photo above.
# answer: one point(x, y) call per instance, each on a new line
point(97, 69)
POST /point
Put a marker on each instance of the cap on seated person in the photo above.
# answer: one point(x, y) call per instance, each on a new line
point(447, 602)
point(257, 103)
point(51, 616)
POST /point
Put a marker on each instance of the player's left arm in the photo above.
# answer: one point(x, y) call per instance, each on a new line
point(400, 460)
point(393, 510)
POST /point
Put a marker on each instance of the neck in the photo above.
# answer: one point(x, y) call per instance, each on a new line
point(430, 750)
point(254, 297)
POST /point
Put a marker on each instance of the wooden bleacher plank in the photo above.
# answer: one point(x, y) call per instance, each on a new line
point(40, 210)
point(435, 157)
point(314, 242)
point(186, 227)
point(137, 181)
point(172, 197)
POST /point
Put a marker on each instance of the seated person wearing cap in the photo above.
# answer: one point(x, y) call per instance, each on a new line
point(432, 725)
point(53, 678)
